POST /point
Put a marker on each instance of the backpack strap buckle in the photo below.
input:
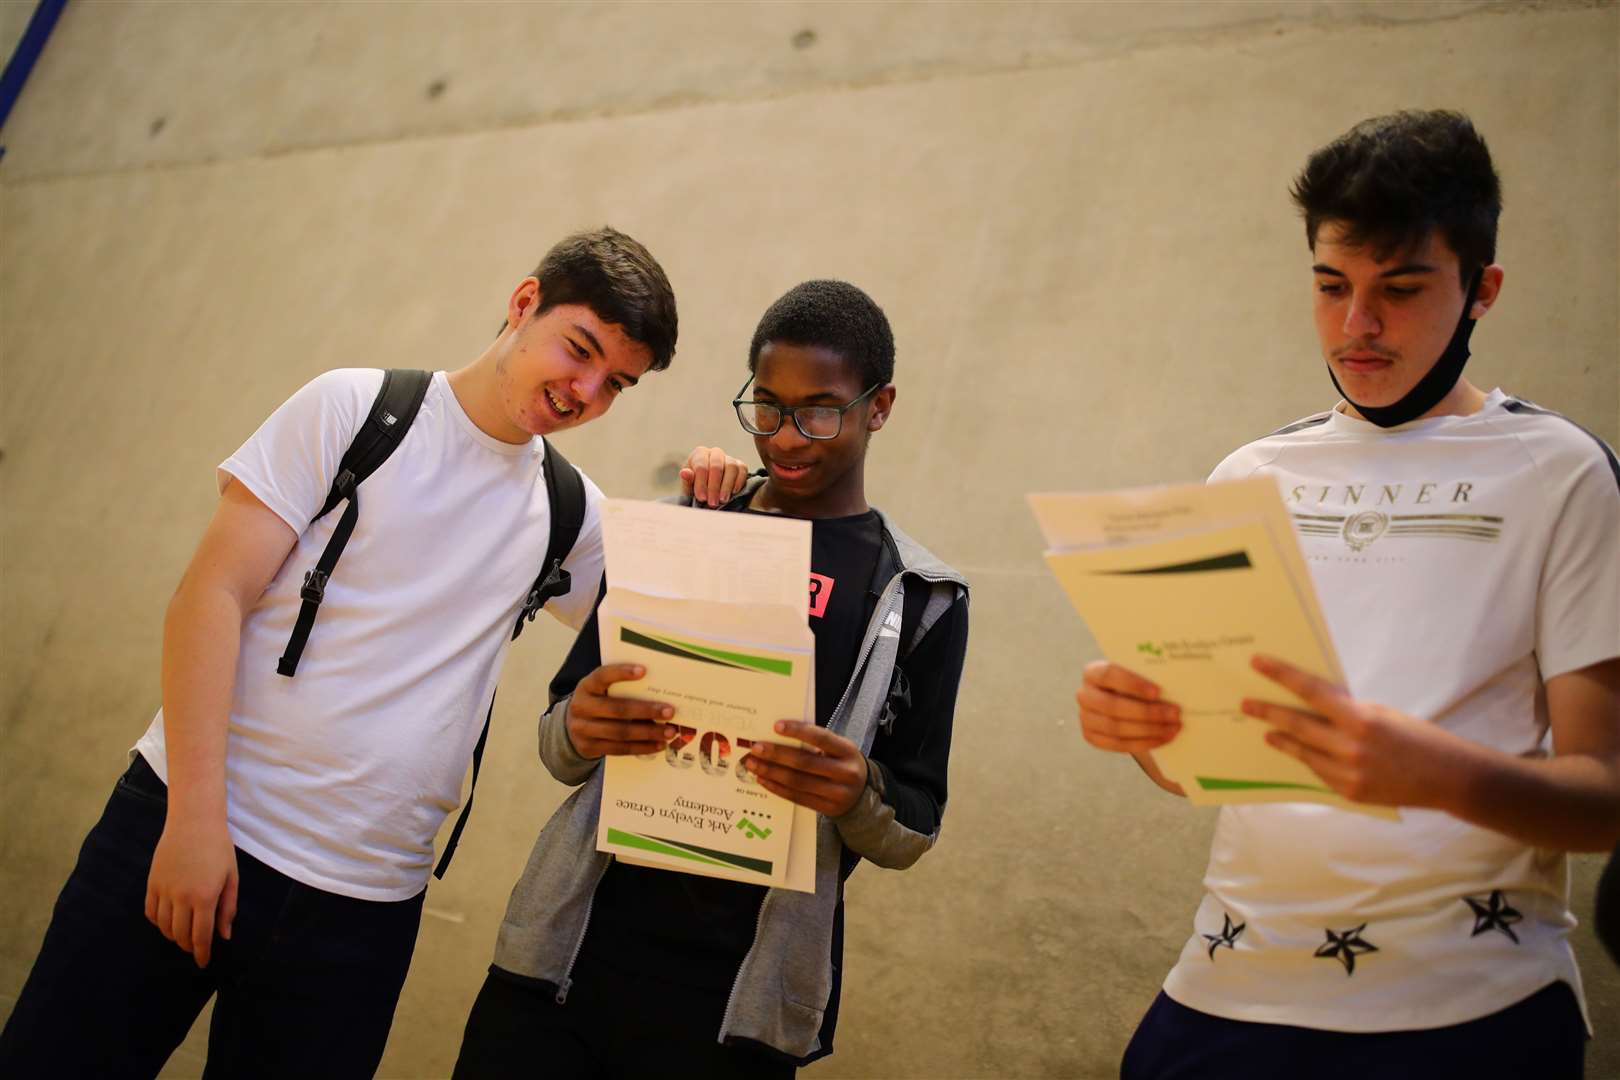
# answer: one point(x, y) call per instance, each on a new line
point(897, 701)
point(531, 606)
point(556, 582)
point(314, 590)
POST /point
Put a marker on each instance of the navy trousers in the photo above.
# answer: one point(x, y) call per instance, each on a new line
point(307, 984)
point(614, 1026)
point(1542, 1036)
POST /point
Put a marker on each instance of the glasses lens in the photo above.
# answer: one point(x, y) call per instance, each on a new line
point(759, 419)
point(819, 422)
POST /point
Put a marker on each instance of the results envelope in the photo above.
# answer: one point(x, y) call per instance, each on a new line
point(1183, 586)
point(733, 653)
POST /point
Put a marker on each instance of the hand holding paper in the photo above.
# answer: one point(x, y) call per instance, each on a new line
point(1364, 751)
point(726, 653)
point(600, 725)
point(1123, 712)
point(827, 774)
point(1181, 587)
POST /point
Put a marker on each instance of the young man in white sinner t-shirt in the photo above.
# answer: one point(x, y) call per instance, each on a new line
point(1464, 547)
point(279, 831)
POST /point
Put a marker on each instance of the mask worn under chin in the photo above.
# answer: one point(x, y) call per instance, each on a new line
point(1434, 385)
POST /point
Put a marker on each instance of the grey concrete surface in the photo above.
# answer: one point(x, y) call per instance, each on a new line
point(13, 21)
point(159, 83)
point(1075, 215)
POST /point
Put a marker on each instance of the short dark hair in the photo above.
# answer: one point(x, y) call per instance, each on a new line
point(619, 280)
point(1392, 180)
point(831, 315)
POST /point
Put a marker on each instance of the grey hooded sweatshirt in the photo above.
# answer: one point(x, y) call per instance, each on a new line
point(782, 989)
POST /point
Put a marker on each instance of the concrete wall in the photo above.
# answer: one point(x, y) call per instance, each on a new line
point(1075, 215)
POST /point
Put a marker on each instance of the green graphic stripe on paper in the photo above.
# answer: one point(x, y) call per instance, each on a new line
point(1215, 783)
point(630, 637)
point(647, 843)
point(675, 647)
point(1236, 560)
point(706, 856)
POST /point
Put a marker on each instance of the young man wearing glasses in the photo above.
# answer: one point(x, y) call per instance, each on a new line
point(606, 969)
point(1463, 544)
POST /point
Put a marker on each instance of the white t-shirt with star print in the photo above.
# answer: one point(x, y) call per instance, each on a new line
point(1461, 562)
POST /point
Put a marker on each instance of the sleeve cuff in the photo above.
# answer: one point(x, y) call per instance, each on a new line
point(557, 751)
point(870, 813)
point(870, 830)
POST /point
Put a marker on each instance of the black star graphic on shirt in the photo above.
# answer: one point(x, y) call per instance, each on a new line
point(1227, 936)
point(1344, 946)
point(1494, 914)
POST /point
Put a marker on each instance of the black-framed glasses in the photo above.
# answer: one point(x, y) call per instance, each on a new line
point(813, 421)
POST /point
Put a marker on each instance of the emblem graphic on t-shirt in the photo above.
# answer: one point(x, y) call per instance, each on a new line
point(1344, 946)
point(1363, 528)
point(1494, 914)
point(821, 587)
point(1227, 937)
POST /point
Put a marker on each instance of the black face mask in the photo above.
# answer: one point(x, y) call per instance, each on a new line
point(1434, 385)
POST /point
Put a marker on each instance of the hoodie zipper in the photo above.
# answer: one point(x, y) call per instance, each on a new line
point(770, 894)
point(567, 982)
point(736, 983)
point(855, 673)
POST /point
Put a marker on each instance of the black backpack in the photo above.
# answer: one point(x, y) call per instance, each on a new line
point(390, 418)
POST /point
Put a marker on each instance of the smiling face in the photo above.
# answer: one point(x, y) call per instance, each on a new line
point(816, 477)
point(563, 367)
point(1383, 322)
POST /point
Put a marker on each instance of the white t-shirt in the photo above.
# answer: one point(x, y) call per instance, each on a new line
point(341, 776)
point(1461, 562)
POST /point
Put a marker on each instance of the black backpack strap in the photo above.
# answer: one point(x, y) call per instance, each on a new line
point(565, 493)
point(922, 605)
point(392, 412)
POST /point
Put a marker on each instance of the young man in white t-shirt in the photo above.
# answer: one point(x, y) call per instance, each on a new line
point(1464, 546)
point(279, 830)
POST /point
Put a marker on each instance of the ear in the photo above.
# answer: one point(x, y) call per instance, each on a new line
point(1490, 287)
point(524, 300)
point(882, 405)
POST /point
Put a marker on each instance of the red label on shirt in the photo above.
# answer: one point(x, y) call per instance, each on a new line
point(821, 587)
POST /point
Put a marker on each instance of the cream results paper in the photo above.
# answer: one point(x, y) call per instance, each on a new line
point(1183, 585)
point(713, 606)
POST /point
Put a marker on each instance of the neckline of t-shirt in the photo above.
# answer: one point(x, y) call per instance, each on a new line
point(1343, 423)
point(441, 384)
point(870, 513)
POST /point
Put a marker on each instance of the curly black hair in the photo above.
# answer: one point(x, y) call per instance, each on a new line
point(1392, 180)
point(831, 315)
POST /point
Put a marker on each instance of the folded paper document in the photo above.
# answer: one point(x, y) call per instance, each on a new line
point(713, 606)
point(1183, 585)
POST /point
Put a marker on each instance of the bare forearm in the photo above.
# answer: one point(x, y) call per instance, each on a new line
point(201, 639)
point(1570, 802)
